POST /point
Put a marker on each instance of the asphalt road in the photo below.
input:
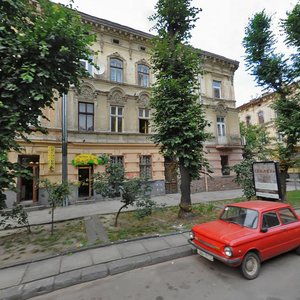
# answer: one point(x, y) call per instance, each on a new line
point(192, 278)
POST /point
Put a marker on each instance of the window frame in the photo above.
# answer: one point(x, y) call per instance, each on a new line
point(221, 127)
point(116, 117)
point(261, 117)
point(145, 118)
point(217, 89)
point(118, 71)
point(117, 159)
point(143, 77)
point(86, 114)
point(268, 212)
point(145, 166)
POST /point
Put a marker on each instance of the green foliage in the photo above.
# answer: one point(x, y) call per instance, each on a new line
point(133, 191)
point(178, 119)
point(256, 148)
point(41, 46)
point(279, 74)
point(57, 193)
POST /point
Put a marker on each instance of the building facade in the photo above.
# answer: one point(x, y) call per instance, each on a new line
point(110, 116)
point(259, 112)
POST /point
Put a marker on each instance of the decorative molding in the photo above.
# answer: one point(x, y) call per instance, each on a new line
point(221, 109)
point(117, 96)
point(143, 99)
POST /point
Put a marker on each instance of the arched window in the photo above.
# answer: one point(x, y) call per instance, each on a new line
point(261, 118)
point(143, 75)
point(116, 70)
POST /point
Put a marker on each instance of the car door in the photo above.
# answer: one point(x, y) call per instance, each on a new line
point(272, 236)
point(291, 228)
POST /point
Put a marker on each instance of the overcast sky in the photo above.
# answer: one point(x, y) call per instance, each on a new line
point(220, 28)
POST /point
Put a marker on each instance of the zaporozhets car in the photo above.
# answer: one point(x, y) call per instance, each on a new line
point(248, 233)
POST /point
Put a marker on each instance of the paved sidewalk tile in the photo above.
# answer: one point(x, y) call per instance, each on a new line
point(42, 269)
point(12, 276)
point(175, 240)
point(155, 244)
point(131, 249)
point(75, 261)
point(105, 254)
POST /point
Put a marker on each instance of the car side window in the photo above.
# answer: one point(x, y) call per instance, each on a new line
point(287, 216)
point(270, 219)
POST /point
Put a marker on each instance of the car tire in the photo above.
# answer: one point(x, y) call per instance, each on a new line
point(250, 266)
point(298, 250)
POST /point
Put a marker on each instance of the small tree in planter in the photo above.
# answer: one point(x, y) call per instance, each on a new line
point(57, 193)
point(133, 191)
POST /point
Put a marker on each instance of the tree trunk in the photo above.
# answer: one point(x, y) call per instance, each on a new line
point(283, 175)
point(185, 211)
point(118, 213)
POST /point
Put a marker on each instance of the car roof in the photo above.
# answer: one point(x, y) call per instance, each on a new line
point(261, 205)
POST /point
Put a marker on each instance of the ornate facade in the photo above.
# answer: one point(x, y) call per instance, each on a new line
point(110, 115)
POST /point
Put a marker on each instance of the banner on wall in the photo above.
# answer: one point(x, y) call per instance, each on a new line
point(51, 158)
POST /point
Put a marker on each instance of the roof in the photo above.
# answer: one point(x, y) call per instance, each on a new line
point(261, 205)
point(98, 21)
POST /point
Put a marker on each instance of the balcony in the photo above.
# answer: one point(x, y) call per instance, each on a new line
point(226, 142)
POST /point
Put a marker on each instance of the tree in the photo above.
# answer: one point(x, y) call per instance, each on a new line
point(57, 193)
point(256, 148)
point(178, 118)
point(41, 45)
point(274, 72)
point(133, 191)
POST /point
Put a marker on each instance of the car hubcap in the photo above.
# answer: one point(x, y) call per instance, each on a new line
point(251, 266)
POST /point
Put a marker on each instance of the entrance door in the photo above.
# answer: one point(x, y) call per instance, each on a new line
point(28, 185)
point(86, 182)
point(170, 176)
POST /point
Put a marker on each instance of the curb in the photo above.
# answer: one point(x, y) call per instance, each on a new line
point(66, 279)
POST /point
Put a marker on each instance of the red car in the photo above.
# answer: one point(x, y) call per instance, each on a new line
point(248, 233)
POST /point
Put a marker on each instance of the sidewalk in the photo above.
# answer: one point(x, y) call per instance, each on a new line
point(43, 276)
point(112, 206)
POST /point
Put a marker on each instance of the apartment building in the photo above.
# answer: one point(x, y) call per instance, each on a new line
point(110, 116)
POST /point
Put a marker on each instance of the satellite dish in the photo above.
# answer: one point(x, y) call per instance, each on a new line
point(100, 71)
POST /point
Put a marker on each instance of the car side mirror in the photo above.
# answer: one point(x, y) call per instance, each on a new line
point(264, 229)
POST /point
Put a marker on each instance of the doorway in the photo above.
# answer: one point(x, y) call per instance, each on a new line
point(28, 185)
point(85, 176)
point(171, 176)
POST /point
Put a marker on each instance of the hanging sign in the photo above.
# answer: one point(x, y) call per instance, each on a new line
point(85, 159)
point(51, 158)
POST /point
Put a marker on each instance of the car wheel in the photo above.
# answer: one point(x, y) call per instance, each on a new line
point(298, 250)
point(250, 266)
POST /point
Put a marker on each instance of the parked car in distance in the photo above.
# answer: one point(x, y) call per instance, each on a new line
point(248, 233)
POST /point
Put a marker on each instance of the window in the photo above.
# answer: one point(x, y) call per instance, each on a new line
point(87, 66)
point(144, 115)
point(270, 219)
point(85, 116)
point(116, 119)
point(116, 41)
point(117, 159)
point(221, 126)
point(248, 120)
point(239, 215)
point(217, 89)
point(287, 216)
point(261, 119)
point(143, 75)
point(225, 165)
point(145, 167)
point(116, 70)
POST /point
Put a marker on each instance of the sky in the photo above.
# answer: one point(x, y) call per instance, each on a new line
point(220, 28)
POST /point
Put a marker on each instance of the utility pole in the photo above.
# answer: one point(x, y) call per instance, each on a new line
point(64, 109)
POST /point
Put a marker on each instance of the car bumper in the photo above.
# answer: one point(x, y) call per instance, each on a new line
point(228, 261)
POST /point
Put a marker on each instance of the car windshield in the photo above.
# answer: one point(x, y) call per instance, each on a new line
point(241, 216)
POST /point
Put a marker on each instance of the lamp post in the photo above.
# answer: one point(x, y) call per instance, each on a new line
point(64, 109)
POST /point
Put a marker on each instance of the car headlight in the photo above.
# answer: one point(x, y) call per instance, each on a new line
point(228, 251)
point(192, 235)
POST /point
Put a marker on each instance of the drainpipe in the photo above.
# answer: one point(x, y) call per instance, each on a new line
point(65, 142)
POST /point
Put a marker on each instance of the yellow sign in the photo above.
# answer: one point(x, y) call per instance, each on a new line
point(85, 159)
point(51, 158)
